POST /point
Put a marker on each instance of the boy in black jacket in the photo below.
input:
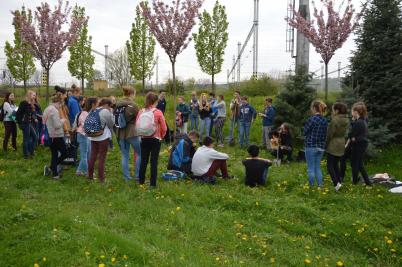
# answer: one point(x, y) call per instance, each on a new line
point(256, 168)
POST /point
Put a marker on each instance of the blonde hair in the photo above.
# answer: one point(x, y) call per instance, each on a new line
point(28, 96)
point(318, 106)
point(57, 98)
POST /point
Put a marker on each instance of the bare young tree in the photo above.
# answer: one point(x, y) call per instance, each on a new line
point(119, 67)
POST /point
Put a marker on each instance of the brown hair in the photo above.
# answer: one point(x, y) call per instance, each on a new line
point(75, 89)
point(150, 99)
point(361, 109)
point(105, 101)
point(341, 108)
point(89, 102)
point(244, 98)
point(7, 98)
point(318, 107)
point(128, 91)
point(222, 97)
point(268, 99)
point(286, 127)
point(57, 98)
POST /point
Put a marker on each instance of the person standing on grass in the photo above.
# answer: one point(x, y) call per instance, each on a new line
point(337, 130)
point(54, 124)
point(182, 112)
point(220, 107)
point(358, 140)
point(73, 103)
point(10, 126)
point(214, 112)
point(39, 123)
point(246, 117)
point(127, 136)
point(268, 120)
point(151, 126)
point(83, 141)
point(162, 102)
point(27, 121)
point(205, 116)
point(100, 143)
point(256, 168)
point(235, 104)
point(315, 134)
point(207, 161)
point(194, 112)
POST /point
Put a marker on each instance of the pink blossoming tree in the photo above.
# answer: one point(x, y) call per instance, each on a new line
point(330, 32)
point(171, 26)
point(46, 35)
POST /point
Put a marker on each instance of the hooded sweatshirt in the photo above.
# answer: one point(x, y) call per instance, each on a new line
point(337, 130)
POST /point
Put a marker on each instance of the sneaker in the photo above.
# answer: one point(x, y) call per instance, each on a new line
point(221, 145)
point(46, 171)
point(338, 186)
point(56, 177)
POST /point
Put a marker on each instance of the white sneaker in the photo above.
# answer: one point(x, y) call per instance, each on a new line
point(338, 186)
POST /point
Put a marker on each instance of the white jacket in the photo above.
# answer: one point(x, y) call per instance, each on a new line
point(203, 158)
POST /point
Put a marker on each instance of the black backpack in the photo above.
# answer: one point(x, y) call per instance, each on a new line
point(119, 115)
point(2, 115)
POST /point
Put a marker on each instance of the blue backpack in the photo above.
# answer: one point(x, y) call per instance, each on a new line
point(93, 125)
point(178, 157)
point(45, 138)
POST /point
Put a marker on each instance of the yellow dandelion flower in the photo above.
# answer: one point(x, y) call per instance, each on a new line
point(102, 256)
point(36, 265)
point(113, 260)
point(87, 253)
point(307, 261)
point(375, 249)
point(178, 208)
point(393, 250)
point(272, 260)
point(125, 257)
point(44, 259)
point(323, 235)
point(241, 262)
point(101, 265)
point(339, 264)
point(217, 259)
point(389, 241)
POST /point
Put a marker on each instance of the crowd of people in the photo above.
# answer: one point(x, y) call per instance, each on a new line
point(90, 124)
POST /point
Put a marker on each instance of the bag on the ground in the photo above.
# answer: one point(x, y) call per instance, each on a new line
point(173, 175)
point(119, 115)
point(145, 125)
point(93, 125)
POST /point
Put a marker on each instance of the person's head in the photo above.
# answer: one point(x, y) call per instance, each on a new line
point(9, 98)
point(30, 97)
point(151, 100)
point(244, 99)
point(208, 142)
point(268, 101)
point(162, 95)
point(236, 94)
point(211, 95)
point(339, 109)
point(81, 100)
point(90, 103)
point(106, 103)
point(253, 151)
point(204, 97)
point(180, 99)
point(128, 91)
point(318, 107)
point(76, 90)
point(57, 99)
point(221, 98)
point(194, 95)
point(359, 110)
point(194, 136)
point(285, 128)
point(275, 134)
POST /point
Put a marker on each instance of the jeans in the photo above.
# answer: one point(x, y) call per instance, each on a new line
point(357, 161)
point(205, 125)
point(125, 144)
point(98, 151)
point(266, 141)
point(29, 138)
point(233, 123)
point(244, 133)
point(313, 158)
point(150, 148)
point(10, 130)
point(85, 150)
point(194, 122)
point(219, 123)
point(59, 153)
point(333, 167)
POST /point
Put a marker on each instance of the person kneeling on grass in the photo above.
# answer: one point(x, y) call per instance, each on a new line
point(256, 168)
point(207, 161)
point(182, 152)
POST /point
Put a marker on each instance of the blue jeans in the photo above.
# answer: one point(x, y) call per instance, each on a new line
point(125, 144)
point(194, 119)
point(85, 150)
point(29, 138)
point(313, 158)
point(244, 133)
point(205, 125)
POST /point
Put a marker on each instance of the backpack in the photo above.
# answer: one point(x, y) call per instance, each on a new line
point(173, 175)
point(45, 139)
point(178, 157)
point(119, 115)
point(145, 125)
point(2, 113)
point(93, 125)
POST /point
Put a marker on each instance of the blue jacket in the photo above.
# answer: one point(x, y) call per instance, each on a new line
point(247, 113)
point(74, 108)
point(269, 120)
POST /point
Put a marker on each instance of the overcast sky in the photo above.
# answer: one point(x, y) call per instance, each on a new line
point(110, 23)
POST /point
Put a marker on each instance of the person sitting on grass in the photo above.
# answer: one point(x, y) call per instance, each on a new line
point(284, 143)
point(207, 161)
point(256, 168)
point(182, 152)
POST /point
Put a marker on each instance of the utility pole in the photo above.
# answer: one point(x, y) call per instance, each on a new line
point(157, 72)
point(106, 55)
point(238, 61)
point(228, 78)
point(233, 73)
point(303, 45)
point(339, 75)
point(255, 46)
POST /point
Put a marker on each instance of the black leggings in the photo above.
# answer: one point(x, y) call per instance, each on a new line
point(357, 162)
point(333, 167)
point(150, 148)
point(57, 145)
point(10, 131)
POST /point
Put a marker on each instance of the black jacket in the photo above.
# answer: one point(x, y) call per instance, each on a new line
point(359, 132)
point(25, 113)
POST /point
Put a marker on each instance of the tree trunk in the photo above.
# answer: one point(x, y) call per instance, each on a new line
point(174, 97)
point(82, 85)
point(326, 81)
point(47, 85)
point(25, 86)
point(143, 84)
point(213, 83)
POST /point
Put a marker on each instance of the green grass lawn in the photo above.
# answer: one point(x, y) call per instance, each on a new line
point(73, 222)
